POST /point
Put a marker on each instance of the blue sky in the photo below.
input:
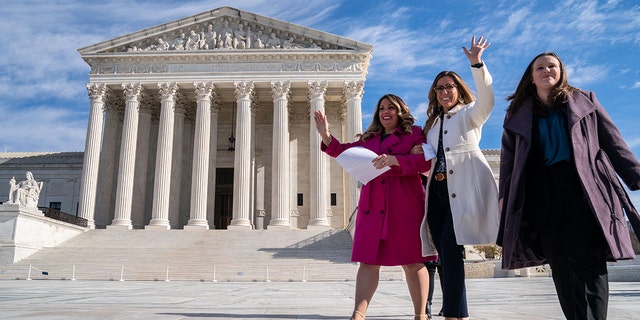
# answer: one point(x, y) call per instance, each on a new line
point(44, 104)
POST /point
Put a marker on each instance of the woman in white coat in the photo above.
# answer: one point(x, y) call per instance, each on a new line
point(462, 195)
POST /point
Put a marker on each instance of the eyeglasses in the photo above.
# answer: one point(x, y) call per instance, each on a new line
point(448, 87)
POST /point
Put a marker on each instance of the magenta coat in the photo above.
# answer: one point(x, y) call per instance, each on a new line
point(391, 206)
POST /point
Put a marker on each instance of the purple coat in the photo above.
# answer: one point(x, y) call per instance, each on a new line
point(391, 206)
point(599, 153)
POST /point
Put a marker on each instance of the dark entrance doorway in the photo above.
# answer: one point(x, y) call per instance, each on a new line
point(224, 198)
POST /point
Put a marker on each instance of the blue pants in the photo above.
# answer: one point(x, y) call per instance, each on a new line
point(454, 292)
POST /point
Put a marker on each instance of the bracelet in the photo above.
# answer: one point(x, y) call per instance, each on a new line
point(478, 65)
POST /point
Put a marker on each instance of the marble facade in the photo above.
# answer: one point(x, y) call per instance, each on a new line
point(204, 123)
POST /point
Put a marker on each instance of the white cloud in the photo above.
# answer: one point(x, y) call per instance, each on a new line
point(42, 128)
point(586, 74)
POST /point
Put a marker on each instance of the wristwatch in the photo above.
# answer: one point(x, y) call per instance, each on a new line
point(478, 65)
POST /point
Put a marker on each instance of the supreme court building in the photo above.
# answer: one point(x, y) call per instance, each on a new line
point(205, 122)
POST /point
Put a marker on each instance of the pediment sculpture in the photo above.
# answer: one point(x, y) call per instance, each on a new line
point(25, 193)
point(230, 34)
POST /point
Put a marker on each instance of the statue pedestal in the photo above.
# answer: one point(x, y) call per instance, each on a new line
point(25, 230)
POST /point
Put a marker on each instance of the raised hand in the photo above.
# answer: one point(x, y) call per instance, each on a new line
point(322, 125)
point(474, 54)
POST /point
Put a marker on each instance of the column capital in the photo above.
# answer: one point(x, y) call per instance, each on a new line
point(244, 89)
point(353, 89)
point(204, 90)
point(97, 91)
point(317, 89)
point(168, 90)
point(280, 89)
point(132, 90)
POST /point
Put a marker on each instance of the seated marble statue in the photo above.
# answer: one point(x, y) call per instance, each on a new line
point(25, 193)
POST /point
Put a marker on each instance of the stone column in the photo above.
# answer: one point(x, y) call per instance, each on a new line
point(280, 192)
point(124, 192)
point(213, 160)
point(141, 180)
point(105, 199)
point(176, 161)
point(319, 165)
point(353, 91)
point(242, 163)
point(200, 174)
point(161, 187)
point(91, 161)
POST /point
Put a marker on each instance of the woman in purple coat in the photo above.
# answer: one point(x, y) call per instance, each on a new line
point(561, 201)
point(391, 206)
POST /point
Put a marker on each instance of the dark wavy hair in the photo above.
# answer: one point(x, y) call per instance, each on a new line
point(405, 119)
point(527, 90)
point(434, 109)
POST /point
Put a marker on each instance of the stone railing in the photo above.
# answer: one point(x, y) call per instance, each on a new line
point(61, 216)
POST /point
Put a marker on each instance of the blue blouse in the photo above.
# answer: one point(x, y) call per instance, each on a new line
point(554, 138)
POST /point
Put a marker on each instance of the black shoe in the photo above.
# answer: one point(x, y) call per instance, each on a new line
point(441, 313)
point(429, 310)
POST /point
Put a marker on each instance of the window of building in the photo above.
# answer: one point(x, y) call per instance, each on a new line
point(300, 200)
point(334, 200)
point(55, 205)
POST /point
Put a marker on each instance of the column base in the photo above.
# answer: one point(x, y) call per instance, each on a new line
point(278, 227)
point(196, 227)
point(239, 227)
point(158, 224)
point(279, 223)
point(119, 226)
point(157, 227)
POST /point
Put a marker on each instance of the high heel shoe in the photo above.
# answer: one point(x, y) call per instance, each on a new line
point(358, 313)
point(429, 310)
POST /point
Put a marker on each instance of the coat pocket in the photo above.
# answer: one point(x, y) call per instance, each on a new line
point(610, 188)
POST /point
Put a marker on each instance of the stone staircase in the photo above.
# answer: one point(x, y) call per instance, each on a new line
point(196, 255)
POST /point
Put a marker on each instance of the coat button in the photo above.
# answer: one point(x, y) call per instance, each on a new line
point(382, 211)
point(383, 181)
point(446, 149)
point(448, 116)
point(453, 195)
point(445, 132)
point(389, 150)
point(450, 171)
point(366, 212)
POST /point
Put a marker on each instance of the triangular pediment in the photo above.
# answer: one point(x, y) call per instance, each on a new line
point(223, 29)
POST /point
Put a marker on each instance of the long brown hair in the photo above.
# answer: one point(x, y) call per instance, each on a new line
point(526, 89)
point(434, 109)
point(405, 119)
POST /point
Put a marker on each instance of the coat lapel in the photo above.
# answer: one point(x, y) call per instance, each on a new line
point(579, 106)
point(520, 122)
point(386, 146)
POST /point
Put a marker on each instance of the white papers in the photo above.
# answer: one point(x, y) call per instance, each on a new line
point(429, 152)
point(357, 161)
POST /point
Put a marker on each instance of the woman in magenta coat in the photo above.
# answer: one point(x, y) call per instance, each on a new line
point(391, 206)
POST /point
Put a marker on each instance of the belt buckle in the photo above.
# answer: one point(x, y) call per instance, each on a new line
point(440, 176)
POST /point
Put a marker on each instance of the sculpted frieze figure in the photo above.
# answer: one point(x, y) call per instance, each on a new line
point(160, 46)
point(273, 42)
point(226, 34)
point(179, 43)
point(210, 38)
point(193, 41)
point(25, 193)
